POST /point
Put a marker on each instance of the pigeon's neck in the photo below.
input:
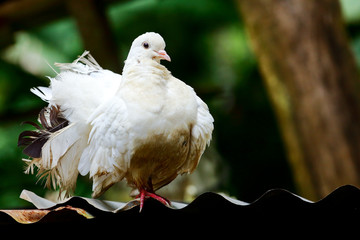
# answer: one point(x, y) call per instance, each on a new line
point(142, 68)
point(141, 61)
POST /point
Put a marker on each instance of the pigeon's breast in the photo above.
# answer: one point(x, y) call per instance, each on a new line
point(145, 93)
point(156, 105)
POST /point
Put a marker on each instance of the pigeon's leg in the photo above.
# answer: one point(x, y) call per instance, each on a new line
point(145, 194)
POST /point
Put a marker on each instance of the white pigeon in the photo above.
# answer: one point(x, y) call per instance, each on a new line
point(145, 126)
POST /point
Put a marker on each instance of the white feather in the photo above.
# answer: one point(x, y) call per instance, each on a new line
point(42, 92)
point(66, 169)
point(107, 139)
point(60, 142)
point(80, 94)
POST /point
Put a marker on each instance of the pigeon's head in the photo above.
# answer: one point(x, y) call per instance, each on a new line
point(149, 45)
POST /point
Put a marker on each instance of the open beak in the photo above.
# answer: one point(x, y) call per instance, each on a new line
point(163, 55)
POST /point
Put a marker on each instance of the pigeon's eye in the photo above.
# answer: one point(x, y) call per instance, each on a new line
point(145, 45)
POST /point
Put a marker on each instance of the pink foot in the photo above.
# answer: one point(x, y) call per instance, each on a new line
point(145, 194)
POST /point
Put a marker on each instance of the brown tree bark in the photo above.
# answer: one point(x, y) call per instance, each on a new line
point(95, 31)
point(313, 83)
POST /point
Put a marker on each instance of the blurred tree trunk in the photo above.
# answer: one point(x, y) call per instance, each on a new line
point(94, 28)
point(312, 80)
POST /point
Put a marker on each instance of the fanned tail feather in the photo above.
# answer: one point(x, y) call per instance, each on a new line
point(63, 174)
point(42, 92)
point(88, 64)
point(57, 144)
point(51, 121)
point(56, 148)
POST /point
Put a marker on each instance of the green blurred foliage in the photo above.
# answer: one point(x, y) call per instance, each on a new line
point(209, 51)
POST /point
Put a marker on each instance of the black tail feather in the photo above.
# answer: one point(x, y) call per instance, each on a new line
point(34, 148)
point(33, 141)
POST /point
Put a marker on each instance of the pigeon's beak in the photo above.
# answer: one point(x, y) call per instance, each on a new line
point(163, 55)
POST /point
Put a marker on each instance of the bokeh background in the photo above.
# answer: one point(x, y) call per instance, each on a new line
point(210, 50)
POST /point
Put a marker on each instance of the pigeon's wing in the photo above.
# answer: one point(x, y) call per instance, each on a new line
point(200, 136)
point(79, 88)
point(105, 156)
